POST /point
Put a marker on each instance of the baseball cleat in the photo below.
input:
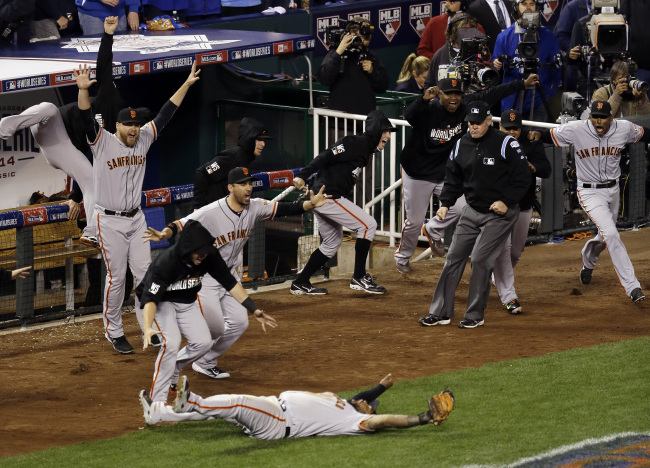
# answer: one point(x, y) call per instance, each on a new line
point(470, 323)
point(156, 342)
point(637, 295)
point(367, 284)
point(436, 245)
point(306, 288)
point(431, 321)
point(585, 275)
point(89, 241)
point(405, 268)
point(146, 403)
point(514, 307)
point(120, 344)
point(180, 402)
point(213, 373)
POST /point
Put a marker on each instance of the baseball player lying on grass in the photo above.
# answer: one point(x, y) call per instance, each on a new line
point(168, 295)
point(597, 143)
point(295, 413)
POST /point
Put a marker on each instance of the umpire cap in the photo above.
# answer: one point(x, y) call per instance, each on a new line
point(477, 112)
point(239, 175)
point(511, 119)
point(129, 115)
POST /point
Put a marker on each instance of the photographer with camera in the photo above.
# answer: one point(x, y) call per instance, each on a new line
point(524, 48)
point(353, 73)
point(461, 26)
point(624, 94)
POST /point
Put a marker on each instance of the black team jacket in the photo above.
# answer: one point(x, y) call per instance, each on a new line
point(172, 277)
point(487, 169)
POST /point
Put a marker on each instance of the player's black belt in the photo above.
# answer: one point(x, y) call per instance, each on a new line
point(608, 184)
point(128, 214)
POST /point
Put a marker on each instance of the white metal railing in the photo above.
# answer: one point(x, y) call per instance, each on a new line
point(335, 125)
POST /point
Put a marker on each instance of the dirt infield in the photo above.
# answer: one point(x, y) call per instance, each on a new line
point(65, 384)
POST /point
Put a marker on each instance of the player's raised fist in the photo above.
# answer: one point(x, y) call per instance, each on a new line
point(83, 77)
point(110, 24)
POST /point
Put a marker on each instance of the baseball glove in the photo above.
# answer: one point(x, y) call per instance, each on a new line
point(440, 406)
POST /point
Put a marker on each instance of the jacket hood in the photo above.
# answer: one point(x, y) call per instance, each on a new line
point(376, 124)
point(194, 238)
point(249, 131)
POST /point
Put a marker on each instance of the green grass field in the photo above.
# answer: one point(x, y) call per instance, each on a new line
point(504, 412)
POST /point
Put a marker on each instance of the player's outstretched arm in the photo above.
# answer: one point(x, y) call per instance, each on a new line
point(21, 273)
point(148, 313)
point(83, 83)
point(240, 295)
point(179, 95)
point(151, 235)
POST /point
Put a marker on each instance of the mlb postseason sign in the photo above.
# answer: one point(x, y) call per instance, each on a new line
point(388, 18)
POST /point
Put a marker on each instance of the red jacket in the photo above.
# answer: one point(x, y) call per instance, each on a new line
point(433, 37)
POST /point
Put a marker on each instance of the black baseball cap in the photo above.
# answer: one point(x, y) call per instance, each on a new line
point(511, 119)
point(239, 175)
point(601, 109)
point(478, 111)
point(131, 115)
point(450, 85)
point(263, 135)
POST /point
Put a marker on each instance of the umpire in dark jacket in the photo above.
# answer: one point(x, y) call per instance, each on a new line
point(169, 291)
point(211, 179)
point(489, 168)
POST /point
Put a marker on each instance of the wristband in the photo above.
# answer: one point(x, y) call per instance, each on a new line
point(173, 227)
point(250, 305)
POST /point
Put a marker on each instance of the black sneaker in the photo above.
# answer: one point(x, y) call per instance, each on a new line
point(367, 284)
point(120, 344)
point(470, 323)
point(514, 307)
point(404, 269)
point(436, 245)
point(432, 320)
point(637, 295)
point(213, 373)
point(585, 275)
point(307, 288)
point(156, 342)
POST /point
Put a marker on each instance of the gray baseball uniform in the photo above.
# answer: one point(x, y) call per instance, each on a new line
point(118, 174)
point(49, 132)
point(227, 319)
point(598, 169)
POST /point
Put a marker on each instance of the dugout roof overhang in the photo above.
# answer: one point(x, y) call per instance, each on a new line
point(50, 63)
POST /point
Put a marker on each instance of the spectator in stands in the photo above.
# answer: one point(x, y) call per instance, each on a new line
point(173, 8)
point(550, 73)
point(15, 16)
point(443, 58)
point(493, 15)
point(8, 275)
point(572, 12)
point(353, 73)
point(625, 102)
point(49, 17)
point(414, 71)
point(241, 7)
point(637, 13)
point(434, 37)
point(93, 12)
point(211, 178)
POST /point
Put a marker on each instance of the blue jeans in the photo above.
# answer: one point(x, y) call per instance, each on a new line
point(92, 25)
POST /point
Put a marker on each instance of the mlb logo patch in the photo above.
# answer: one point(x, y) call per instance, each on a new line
point(488, 161)
point(548, 8)
point(475, 110)
point(419, 16)
point(390, 19)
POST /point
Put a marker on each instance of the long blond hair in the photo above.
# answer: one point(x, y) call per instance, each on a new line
point(413, 66)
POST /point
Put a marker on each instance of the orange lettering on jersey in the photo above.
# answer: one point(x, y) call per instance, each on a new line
point(221, 240)
point(340, 404)
point(595, 151)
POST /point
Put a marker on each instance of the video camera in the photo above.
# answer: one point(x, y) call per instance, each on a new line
point(334, 34)
point(607, 28)
point(530, 22)
point(470, 64)
point(573, 105)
